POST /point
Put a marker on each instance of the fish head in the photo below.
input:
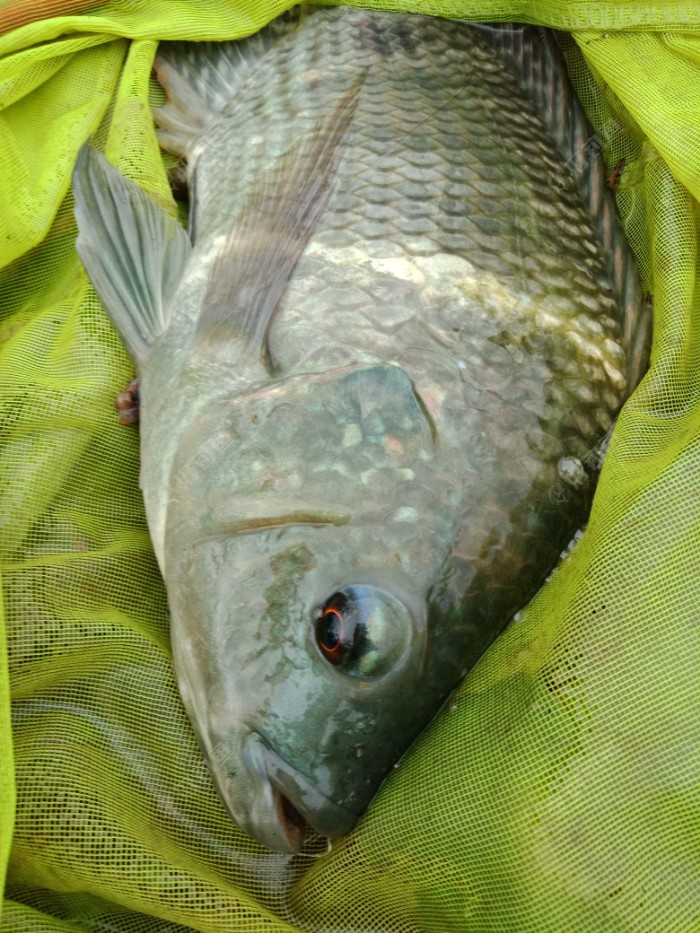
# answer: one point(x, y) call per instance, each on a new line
point(301, 543)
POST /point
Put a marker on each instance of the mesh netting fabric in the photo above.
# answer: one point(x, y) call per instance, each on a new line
point(560, 787)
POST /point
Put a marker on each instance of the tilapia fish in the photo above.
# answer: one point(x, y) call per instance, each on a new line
point(372, 374)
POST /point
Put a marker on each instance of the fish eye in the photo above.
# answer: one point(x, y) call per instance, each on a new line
point(363, 631)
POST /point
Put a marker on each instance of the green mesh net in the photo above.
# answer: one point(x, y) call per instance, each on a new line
point(560, 788)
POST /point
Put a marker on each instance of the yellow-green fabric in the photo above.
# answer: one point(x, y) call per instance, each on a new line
point(560, 788)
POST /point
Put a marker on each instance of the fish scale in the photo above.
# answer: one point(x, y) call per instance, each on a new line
point(401, 313)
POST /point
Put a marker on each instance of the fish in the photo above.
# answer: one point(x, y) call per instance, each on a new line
point(374, 372)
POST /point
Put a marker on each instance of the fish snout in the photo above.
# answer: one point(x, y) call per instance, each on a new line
point(284, 803)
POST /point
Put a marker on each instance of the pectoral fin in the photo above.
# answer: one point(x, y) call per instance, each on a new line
point(256, 261)
point(133, 250)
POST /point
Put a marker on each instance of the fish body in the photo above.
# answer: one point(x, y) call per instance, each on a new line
point(372, 375)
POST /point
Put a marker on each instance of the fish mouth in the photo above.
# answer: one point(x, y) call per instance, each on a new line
point(285, 804)
point(291, 822)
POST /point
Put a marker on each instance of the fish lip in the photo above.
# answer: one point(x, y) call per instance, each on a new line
point(286, 803)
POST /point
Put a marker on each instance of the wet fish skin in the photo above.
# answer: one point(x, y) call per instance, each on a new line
point(384, 416)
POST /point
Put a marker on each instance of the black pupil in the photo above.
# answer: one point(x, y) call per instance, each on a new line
point(330, 630)
point(334, 628)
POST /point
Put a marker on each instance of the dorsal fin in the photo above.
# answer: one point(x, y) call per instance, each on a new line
point(537, 59)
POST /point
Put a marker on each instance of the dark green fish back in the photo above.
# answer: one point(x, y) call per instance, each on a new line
point(535, 54)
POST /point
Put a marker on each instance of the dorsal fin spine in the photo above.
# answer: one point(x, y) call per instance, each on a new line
point(538, 59)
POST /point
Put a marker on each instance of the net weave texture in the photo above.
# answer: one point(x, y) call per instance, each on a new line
point(560, 788)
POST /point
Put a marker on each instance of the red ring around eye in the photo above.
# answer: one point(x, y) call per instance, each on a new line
point(331, 650)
